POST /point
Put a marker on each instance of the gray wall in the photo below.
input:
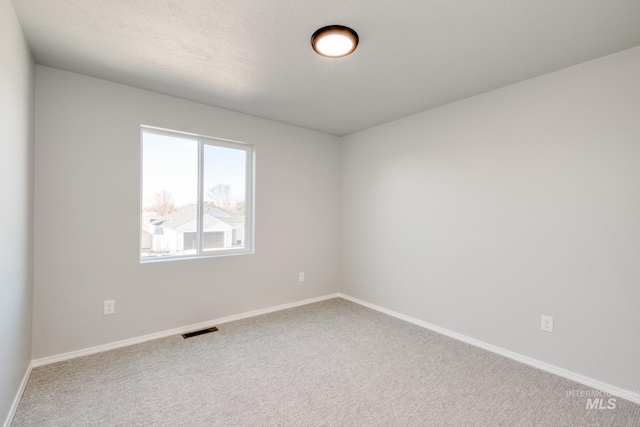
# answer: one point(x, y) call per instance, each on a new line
point(16, 212)
point(484, 214)
point(87, 217)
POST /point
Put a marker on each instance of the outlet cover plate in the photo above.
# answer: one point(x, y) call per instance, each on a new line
point(109, 306)
point(546, 323)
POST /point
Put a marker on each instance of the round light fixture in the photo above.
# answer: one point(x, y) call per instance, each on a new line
point(334, 41)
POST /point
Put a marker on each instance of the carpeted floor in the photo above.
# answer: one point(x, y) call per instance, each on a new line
point(332, 363)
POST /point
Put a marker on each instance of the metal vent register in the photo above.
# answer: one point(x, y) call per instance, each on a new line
point(200, 332)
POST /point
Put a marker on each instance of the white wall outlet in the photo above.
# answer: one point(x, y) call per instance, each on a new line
point(546, 323)
point(110, 306)
point(300, 277)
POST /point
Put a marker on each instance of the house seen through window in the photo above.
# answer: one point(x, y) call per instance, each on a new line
point(196, 196)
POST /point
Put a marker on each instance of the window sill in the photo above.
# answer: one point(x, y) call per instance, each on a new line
point(152, 260)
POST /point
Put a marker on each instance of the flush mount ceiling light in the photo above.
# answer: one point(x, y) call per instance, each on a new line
point(334, 41)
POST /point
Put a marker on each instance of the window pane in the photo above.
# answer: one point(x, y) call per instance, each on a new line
point(223, 217)
point(169, 195)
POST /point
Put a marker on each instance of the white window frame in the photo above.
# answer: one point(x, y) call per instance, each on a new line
point(249, 246)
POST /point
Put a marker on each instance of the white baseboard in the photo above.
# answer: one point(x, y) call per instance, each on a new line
point(137, 340)
point(16, 400)
point(599, 385)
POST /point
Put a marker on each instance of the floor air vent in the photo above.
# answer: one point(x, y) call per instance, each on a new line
point(200, 332)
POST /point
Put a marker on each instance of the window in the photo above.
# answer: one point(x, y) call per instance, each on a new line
point(197, 195)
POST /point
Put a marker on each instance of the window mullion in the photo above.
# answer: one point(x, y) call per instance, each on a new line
point(200, 218)
point(249, 186)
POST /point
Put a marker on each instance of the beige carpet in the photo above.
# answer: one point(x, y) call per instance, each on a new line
point(333, 363)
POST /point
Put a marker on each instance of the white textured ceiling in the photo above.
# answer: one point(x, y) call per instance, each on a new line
point(254, 56)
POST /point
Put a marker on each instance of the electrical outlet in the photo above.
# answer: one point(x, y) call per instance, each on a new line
point(300, 277)
point(110, 306)
point(546, 323)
